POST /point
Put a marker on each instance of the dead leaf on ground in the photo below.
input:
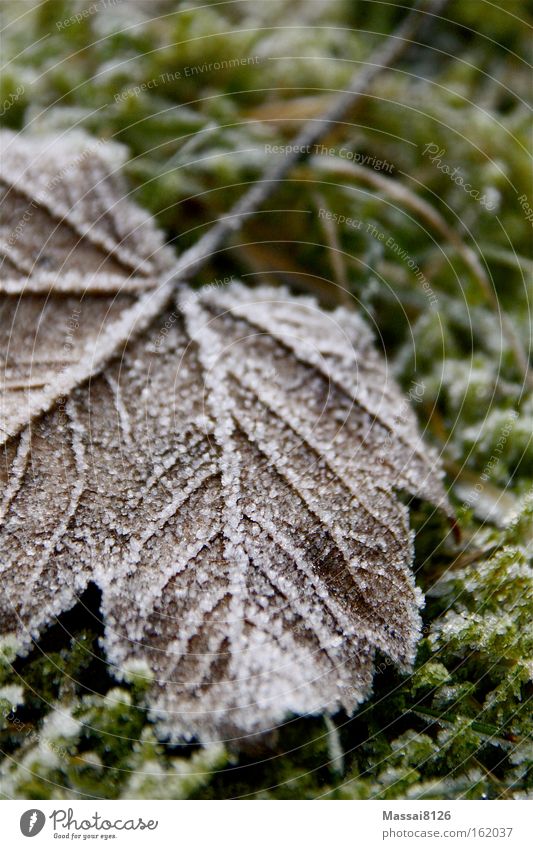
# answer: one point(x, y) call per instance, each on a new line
point(229, 482)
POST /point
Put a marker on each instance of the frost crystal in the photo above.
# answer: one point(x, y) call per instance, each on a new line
point(228, 481)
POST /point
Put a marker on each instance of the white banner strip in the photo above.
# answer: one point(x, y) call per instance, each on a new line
point(268, 824)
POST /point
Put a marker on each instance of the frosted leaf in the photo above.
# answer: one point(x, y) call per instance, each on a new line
point(228, 482)
point(68, 238)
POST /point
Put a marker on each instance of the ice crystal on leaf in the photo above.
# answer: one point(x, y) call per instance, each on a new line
point(229, 481)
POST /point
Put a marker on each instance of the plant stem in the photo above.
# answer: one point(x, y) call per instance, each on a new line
point(386, 55)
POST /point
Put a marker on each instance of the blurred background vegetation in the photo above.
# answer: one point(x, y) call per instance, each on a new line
point(197, 92)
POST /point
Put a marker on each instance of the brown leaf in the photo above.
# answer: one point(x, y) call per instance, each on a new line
point(73, 248)
point(228, 482)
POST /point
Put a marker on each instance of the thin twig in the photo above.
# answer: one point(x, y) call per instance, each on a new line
point(137, 318)
point(394, 46)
